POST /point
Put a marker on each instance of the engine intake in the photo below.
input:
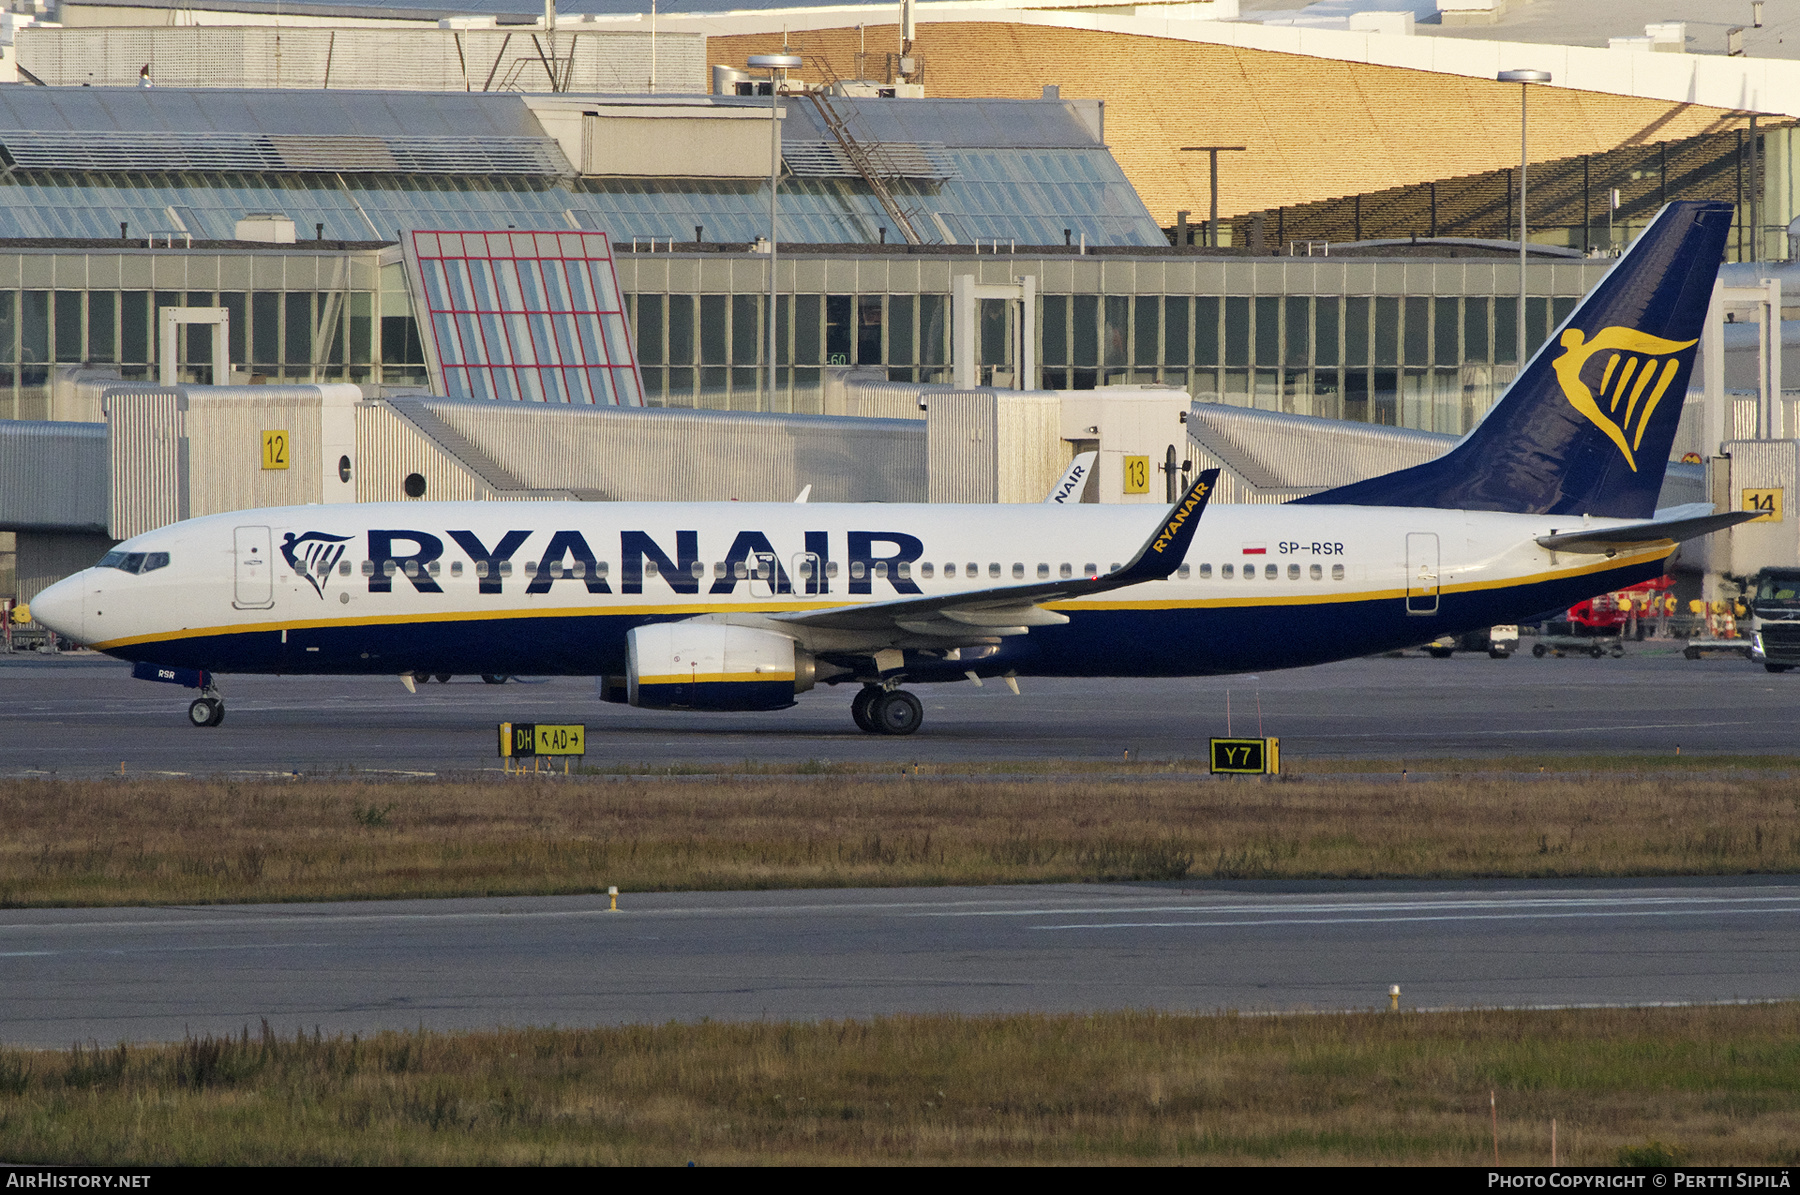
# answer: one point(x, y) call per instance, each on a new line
point(714, 666)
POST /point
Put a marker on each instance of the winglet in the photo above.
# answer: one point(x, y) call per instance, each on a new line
point(1164, 551)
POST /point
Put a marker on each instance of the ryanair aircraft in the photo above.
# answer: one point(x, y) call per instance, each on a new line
point(741, 606)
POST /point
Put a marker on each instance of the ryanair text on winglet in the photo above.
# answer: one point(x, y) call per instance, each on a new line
point(1194, 498)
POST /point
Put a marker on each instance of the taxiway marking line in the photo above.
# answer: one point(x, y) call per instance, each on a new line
point(1532, 916)
point(926, 909)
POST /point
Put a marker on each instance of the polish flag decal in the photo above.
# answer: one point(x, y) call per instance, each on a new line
point(1256, 549)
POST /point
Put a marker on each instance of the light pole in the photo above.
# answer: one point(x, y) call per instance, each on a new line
point(1524, 79)
point(1212, 224)
point(778, 66)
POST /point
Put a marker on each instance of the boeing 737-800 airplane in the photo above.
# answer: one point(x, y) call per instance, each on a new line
point(740, 606)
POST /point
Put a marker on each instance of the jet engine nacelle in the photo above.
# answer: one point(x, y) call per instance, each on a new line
point(713, 666)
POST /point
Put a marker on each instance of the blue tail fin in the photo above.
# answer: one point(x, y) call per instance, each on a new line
point(1587, 427)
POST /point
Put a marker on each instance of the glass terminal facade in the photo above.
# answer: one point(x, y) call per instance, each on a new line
point(1417, 343)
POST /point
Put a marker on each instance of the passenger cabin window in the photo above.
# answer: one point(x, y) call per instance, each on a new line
point(881, 569)
point(1270, 571)
point(412, 568)
point(368, 568)
point(343, 568)
point(1317, 572)
point(434, 568)
point(1090, 570)
point(1293, 572)
point(1182, 572)
point(697, 570)
point(481, 568)
point(389, 568)
point(993, 570)
point(925, 571)
point(1044, 571)
point(949, 571)
point(856, 566)
point(830, 569)
point(1206, 572)
point(1226, 571)
point(905, 569)
point(1018, 571)
point(1337, 572)
point(1065, 570)
point(650, 568)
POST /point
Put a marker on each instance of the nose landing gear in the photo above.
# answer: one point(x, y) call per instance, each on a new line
point(886, 711)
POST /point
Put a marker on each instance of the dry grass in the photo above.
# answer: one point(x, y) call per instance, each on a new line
point(1707, 1086)
point(180, 840)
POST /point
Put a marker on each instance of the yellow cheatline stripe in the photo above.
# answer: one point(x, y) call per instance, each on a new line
point(1075, 604)
point(1375, 595)
point(710, 678)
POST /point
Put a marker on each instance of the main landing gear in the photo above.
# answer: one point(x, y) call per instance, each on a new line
point(208, 709)
point(886, 711)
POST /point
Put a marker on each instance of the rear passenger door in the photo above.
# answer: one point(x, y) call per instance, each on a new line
point(253, 570)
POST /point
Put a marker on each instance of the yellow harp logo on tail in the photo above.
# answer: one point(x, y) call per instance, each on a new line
point(1632, 381)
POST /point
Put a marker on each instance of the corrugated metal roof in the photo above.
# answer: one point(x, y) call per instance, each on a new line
point(1020, 170)
point(954, 123)
point(904, 159)
point(1272, 457)
point(1274, 451)
point(669, 455)
point(435, 9)
point(31, 149)
point(267, 112)
point(53, 476)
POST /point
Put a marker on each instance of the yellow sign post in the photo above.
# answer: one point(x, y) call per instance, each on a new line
point(1137, 475)
point(275, 449)
point(1766, 504)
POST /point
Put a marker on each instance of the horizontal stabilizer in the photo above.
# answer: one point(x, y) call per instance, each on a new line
point(1599, 541)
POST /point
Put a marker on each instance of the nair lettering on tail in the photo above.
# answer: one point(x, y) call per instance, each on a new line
point(744, 606)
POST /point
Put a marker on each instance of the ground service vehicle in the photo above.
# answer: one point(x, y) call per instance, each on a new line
point(1773, 596)
point(1498, 642)
point(734, 606)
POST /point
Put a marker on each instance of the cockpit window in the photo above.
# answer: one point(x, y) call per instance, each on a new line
point(134, 562)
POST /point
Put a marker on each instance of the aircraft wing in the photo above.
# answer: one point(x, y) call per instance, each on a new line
point(979, 614)
point(1657, 533)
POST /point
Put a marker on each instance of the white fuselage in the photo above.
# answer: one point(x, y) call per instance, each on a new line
point(390, 588)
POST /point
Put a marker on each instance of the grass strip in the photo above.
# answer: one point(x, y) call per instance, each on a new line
point(108, 842)
point(1702, 1086)
point(1131, 763)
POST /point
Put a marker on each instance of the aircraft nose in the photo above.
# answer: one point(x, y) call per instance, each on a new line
point(62, 607)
